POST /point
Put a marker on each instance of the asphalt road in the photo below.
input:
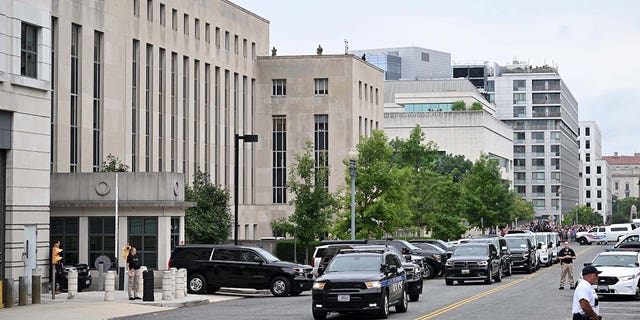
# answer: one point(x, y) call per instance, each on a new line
point(521, 296)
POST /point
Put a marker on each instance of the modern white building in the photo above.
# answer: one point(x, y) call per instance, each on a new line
point(543, 114)
point(625, 175)
point(594, 171)
point(409, 63)
point(469, 133)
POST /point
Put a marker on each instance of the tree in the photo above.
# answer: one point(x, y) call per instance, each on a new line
point(381, 191)
point(476, 106)
point(413, 153)
point(113, 164)
point(458, 106)
point(455, 166)
point(312, 200)
point(623, 209)
point(521, 208)
point(586, 216)
point(210, 220)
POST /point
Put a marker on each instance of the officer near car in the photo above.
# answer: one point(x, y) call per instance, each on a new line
point(566, 256)
point(585, 301)
point(134, 273)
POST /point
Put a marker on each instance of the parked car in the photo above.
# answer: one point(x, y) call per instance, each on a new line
point(446, 246)
point(620, 273)
point(532, 237)
point(210, 267)
point(523, 253)
point(84, 277)
point(360, 281)
point(474, 261)
point(432, 267)
point(503, 251)
point(542, 239)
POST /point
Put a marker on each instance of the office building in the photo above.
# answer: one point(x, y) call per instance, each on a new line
point(595, 172)
point(409, 63)
point(625, 175)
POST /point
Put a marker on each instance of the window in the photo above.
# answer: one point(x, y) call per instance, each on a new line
point(236, 44)
point(599, 194)
point(360, 89)
point(227, 40)
point(425, 56)
point(207, 115)
point(599, 170)
point(75, 101)
point(150, 10)
point(253, 50)
point(216, 129)
point(555, 150)
point(148, 110)
point(519, 164)
point(321, 86)
point(587, 169)
point(538, 189)
point(207, 32)
point(519, 112)
point(185, 24)
point(174, 19)
point(519, 176)
point(174, 107)
point(491, 87)
point(588, 204)
point(555, 164)
point(54, 92)
point(321, 145)
point(522, 190)
point(616, 185)
point(97, 100)
point(555, 177)
point(587, 157)
point(538, 203)
point(279, 87)
point(29, 51)
point(175, 235)
point(538, 176)
point(224, 255)
point(217, 35)
point(244, 48)
point(196, 114)
point(555, 136)
point(377, 101)
point(537, 164)
point(518, 150)
point(587, 144)
point(599, 182)
point(626, 186)
point(136, 7)
point(66, 230)
point(587, 182)
point(134, 105)
point(161, 107)
point(185, 112)
point(365, 92)
point(539, 150)
point(587, 131)
point(518, 136)
point(102, 231)
point(599, 206)
point(519, 85)
point(519, 98)
point(143, 234)
point(537, 136)
point(196, 28)
point(163, 15)
point(279, 179)
point(588, 194)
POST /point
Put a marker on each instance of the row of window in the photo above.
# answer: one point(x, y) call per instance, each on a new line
point(616, 186)
point(368, 93)
point(587, 182)
point(536, 136)
point(539, 150)
point(520, 177)
point(598, 194)
point(142, 233)
point(540, 204)
point(598, 205)
point(536, 85)
point(320, 87)
point(587, 169)
point(196, 28)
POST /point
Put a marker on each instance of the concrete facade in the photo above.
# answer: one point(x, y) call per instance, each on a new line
point(415, 63)
point(625, 175)
point(595, 182)
point(543, 113)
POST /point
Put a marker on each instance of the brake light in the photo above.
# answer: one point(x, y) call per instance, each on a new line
point(313, 262)
point(169, 264)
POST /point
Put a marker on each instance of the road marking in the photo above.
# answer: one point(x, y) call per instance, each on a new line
point(488, 292)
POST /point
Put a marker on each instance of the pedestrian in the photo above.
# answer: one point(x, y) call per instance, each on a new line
point(58, 268)
point(133, 270)
point(585, 301)
point(566, 256)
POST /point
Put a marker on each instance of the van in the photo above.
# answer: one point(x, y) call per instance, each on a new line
point(603, 234)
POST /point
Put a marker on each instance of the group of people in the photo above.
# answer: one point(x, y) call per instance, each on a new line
point(585, 300)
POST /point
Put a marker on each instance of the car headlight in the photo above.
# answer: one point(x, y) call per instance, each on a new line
point(627, 278)
point(483, 263)
point(449, 264)
point(373, 284)
point(318, 285)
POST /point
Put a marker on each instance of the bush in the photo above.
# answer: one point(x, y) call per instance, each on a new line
point(284, 251)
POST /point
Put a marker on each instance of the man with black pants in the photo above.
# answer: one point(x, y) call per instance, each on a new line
point(566, 256)
point(134, 272)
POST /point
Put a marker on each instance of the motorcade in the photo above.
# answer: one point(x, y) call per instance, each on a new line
point(210, 267)
point(604, 234)
point(532, 238)
point(620, 273)
point(503, 251)
point(473, 261)
point(523, 253)
point(360, 281)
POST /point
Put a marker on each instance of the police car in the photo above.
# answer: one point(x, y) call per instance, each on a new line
point(361, 280)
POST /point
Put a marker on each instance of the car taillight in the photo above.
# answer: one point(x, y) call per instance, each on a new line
point(313, 262)
point(169, 264)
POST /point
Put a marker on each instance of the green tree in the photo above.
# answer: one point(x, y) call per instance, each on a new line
point(486, 199)
point(521, 208)
point(113, 164)
point(623, 209)
point(210, 220)
point(586, 215)
point(312, 200)
point(455, 166)
point(413, 152)
point(381, 192)
point(476, 106)
point(458, 106)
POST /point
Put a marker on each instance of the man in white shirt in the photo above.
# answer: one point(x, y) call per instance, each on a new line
point(585, 301)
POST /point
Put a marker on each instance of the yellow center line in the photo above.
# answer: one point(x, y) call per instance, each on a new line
point(486, 293)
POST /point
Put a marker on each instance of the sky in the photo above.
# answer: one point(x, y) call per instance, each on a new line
point(595, 44)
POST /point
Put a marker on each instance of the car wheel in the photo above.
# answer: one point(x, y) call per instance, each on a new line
point(510, 270)
point(582, 241)
point(498, 277)
point(319, 315)
point(430, 272)
point(295, 293)
point(414, 297)
point(403, 305)
point(448, 282)
point(197, 284)
point(487, 280)
point(280, 287)
point(383, 313)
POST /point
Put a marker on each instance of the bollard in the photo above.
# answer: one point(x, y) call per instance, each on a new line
point(172, 272)
point(141, 281)
point(179, 292)
point(109, 286)
point(147, 287)
point(7, 286)
point(184, 273)
point(36, 289)
point(100, 277)
point(22, 291)
point(166, 285)
point(72, 284)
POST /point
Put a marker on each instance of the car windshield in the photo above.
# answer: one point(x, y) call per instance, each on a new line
point(359, 262)
point(615, 261)
point(470, 251)
point(409, 245)
point(429, 247)
point(542, 238)
point(266, 255)
point(517, 243)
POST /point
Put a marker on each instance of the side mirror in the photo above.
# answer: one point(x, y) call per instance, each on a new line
point(320, 270)
point(587, 264)
point(539, 246)
point(407, 257)
point(637, 264)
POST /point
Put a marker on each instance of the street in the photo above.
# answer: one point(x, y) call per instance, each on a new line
point(521, 296)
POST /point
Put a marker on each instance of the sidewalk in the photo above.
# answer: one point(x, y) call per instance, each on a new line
point(90, 305)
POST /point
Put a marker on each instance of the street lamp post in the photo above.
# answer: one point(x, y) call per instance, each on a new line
point(244, 138)
point(352, 155)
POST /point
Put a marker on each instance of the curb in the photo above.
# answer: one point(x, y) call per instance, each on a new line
point(176, 304)
point(244, 291)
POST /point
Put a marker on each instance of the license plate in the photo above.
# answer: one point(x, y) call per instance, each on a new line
point(603, 288)
point(465, 271)
point(344, 298)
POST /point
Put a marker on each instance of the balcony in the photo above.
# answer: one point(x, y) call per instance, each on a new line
point(546, 114)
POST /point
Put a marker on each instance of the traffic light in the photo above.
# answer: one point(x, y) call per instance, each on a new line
point(126, 250)
point(55, 255)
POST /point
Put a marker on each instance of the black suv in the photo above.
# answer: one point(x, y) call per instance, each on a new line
point(523, 253)
point(503, 250)
point(210, 267)
point(434, 265)
point(473, 261)
point(361, 280)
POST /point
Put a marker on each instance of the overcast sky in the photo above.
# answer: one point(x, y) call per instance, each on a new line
point(596, 44)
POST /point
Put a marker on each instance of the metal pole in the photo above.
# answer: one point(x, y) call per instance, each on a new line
point(115, 255)
point(235, 190)
point(352, 168)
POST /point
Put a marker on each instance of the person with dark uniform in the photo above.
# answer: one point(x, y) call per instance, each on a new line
point(566, 256)
point(135, 275)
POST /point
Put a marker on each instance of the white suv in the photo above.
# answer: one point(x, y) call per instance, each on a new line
point(620, 273)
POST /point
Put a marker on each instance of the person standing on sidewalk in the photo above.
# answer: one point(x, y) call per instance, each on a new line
point(566, 256)
point(133, 270)
point(585, 301)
